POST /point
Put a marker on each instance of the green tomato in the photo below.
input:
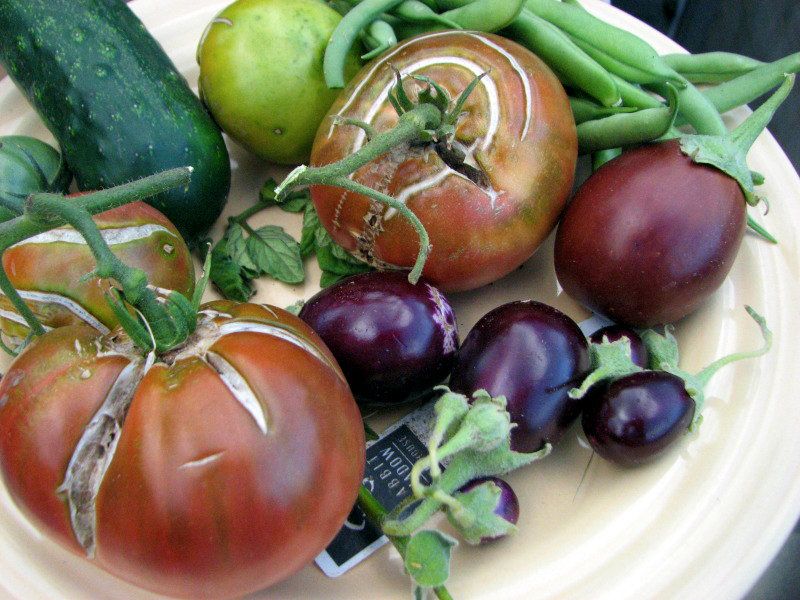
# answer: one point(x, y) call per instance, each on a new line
point(261, 74)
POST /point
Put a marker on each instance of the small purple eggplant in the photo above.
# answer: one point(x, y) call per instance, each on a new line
point(394, 340)
point(533, 355)
point(508, 506)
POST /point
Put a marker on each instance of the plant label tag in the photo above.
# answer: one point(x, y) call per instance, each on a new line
point(387, 475)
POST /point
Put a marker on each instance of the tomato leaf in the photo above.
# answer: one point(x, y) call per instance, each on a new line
point(334, 259)
point(227, 276)
point(276, 253)
point(427, 557)
point(237, 249)
point(309, 234)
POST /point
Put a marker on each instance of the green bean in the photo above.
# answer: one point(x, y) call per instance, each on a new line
point(345, 34)
point(585, 110)
point(750, 86)
point(341, 6)
point(627, 129)
point(635, 58)
point(626, 70)
point(697, 110)
point(711, 67)
point(379, 36)
point(601, 157)
point(479, 15)
point(415, 11)
point(633, 95)
point(451, 4)
point(574, 66)
point(486, 15)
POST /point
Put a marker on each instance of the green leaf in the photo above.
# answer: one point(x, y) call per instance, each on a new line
point(295, 203)
point(308, 237)
point(237, 250)
point(427, 557)
point(276, 253)
point(295, 307)
point(335, 260)
point(477, 518)
point(267, 193)
point(227, 276)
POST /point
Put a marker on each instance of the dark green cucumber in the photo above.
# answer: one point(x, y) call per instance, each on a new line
point(115, 102)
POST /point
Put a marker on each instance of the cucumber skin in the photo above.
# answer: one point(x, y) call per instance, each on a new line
point(115, 102)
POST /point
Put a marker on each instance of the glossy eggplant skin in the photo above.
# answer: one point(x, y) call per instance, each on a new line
point(532, 354)
point(649, 236)
point(633, 419)
point(393, 340)
point(639, 354)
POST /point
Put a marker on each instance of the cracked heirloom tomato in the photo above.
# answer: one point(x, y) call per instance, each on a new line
point(48, 269)
point(216, 470)
point(488, 195)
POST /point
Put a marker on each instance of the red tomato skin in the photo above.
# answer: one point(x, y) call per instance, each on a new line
point(46, 400)
point(476, 236)
point(58, 267)
point(197, 500)
point(650, 236)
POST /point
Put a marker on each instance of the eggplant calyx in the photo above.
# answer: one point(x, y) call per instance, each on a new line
point(728, 153)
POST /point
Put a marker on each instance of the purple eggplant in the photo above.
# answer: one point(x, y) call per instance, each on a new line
point(533, 355)
point(394, 340)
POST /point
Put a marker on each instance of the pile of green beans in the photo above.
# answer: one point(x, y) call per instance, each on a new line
point(621, 91)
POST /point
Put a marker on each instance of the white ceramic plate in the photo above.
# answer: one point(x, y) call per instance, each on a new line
point(702, 522)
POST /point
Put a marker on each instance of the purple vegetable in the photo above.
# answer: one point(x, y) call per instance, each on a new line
point(507, 508)
point(533, 355)
point(634, 418)
point(639, 354)
point(394, 340)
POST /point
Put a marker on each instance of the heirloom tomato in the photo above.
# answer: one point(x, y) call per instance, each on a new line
point(261, 74)
point(488, 195)
point(49, 269)
point(214, 470)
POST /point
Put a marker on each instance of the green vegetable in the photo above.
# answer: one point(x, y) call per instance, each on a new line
point(617, 50)
point(261, 74)
point(711, 67)
point(28, 165)
point(379, 36)
point(345, 34)
point(626, 129)
point(244, 254)
point(115, 102)
point(478, 15)
point(475, 436)
point(575, 68)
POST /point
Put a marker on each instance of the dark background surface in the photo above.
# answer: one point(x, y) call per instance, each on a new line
point(766, 30)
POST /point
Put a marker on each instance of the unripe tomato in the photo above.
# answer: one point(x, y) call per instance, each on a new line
point(49, 269)
point(219, 469)
point(261, 74)
point(485, 217)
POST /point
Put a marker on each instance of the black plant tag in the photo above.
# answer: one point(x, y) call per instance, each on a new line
point(387, 476)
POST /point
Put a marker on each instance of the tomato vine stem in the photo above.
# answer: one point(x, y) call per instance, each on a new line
point(45, 211)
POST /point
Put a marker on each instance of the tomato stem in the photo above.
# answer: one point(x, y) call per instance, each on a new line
point(410, 128)
point(46, 211)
